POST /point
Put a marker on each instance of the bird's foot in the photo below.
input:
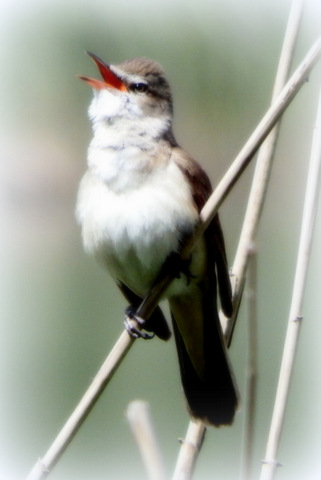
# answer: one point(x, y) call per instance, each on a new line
point(132, 321)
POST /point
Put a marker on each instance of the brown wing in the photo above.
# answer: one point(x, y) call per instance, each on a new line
point(202, 189)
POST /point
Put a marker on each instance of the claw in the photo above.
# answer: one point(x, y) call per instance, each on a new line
point(131, 319)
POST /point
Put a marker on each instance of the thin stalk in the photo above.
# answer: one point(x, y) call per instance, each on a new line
point(192, 445)
point(251, 373)
point(43, 467)
point(262, 170)
point(270, 462)
point(139, 418)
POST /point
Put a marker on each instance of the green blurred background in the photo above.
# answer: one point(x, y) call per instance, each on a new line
point(60, 313)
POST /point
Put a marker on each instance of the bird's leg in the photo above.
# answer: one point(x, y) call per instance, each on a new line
point(130, 319)
point(176, 266)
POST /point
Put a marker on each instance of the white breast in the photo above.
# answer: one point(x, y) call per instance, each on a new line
point(134, 228)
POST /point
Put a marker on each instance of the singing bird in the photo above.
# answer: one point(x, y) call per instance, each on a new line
point(139, 199)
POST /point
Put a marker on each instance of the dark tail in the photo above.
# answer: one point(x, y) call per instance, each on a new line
point(212, 398)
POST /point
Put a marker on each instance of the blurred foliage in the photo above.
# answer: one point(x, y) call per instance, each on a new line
point(60, 313)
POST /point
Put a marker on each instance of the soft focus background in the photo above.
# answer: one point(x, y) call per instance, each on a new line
point(60, 313)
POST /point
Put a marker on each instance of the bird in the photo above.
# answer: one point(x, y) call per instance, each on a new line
point(138, 201)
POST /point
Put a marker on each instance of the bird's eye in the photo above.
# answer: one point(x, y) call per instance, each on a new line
point(139, 87)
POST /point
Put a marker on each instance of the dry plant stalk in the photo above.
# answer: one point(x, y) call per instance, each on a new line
point(251, 368)
point(191, 446)
point(44, 466)
point(263, 169)
point(139, 418)
point(270, 462)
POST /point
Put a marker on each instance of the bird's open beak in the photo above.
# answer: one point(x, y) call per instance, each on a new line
point(111, 80)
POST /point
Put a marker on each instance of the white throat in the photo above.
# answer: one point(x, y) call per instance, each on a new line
point(127, 143)
point(119, 117)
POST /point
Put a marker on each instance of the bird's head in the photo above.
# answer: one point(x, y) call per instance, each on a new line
point(135, 89)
